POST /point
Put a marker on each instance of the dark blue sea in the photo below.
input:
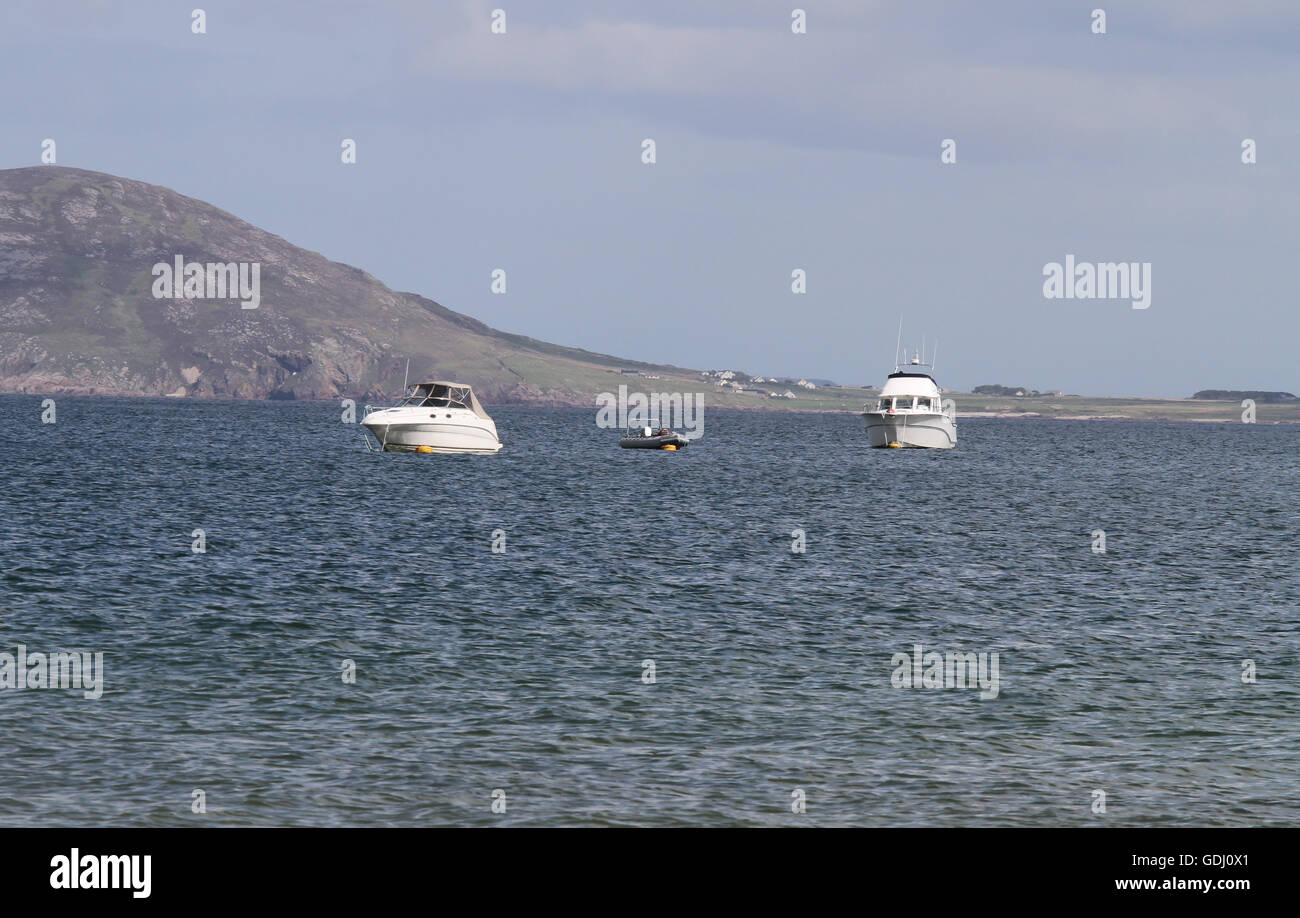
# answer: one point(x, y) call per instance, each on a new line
point(521, 677)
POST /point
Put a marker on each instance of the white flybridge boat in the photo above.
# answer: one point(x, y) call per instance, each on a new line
point(434, 417)
point(911, 411)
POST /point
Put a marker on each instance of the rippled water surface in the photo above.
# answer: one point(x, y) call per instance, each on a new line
point(522, 671)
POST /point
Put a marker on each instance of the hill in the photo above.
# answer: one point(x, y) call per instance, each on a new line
point(79, 315)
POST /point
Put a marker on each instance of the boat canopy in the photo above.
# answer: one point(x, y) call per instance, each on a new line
point(437, 393)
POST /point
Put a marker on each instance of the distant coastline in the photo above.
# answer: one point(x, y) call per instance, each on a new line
point(851, 400)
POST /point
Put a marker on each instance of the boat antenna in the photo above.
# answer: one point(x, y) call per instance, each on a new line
point(923, 349)
point(407, 378)
point(935, 358)
point(899, 342)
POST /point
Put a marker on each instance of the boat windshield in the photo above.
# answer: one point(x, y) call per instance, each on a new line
point(437, 396)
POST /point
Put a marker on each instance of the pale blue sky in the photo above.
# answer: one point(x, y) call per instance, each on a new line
point(775, 151)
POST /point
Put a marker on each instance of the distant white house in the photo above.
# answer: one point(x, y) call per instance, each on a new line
point(786, 394)
point(806, 384)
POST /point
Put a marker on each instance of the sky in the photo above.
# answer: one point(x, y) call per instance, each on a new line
point(774, 151)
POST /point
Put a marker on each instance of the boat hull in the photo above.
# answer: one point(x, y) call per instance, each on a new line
point(911, 430)
point(458, 434)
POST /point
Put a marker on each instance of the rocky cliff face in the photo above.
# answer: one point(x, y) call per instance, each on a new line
point(79, 314)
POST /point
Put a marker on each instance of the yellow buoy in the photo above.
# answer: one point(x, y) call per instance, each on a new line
point(424, 449)
point(670, 446)
point(895, 446)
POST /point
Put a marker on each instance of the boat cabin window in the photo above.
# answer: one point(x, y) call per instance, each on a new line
point(904, 402)
point(901, 403)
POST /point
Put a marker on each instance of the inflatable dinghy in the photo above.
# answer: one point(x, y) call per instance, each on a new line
point(648, 438)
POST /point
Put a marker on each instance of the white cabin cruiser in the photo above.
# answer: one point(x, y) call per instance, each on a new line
point(911, 412)
point(434, 417)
